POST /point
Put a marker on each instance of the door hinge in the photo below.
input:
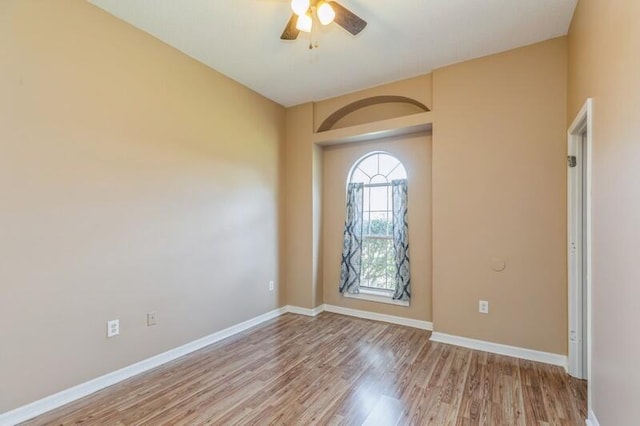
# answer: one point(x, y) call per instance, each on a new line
point(572, 160)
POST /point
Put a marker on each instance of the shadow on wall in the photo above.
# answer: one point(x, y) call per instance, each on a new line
point(371, 109)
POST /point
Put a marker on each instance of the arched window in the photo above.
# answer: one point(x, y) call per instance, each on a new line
point(377, 167)
point(375, 252)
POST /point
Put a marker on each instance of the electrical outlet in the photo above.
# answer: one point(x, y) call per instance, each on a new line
point(151, 318)
point(483, 307)
point(271, 285)
point(113, 328)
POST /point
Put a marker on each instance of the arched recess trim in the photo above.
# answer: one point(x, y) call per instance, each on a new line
point(330, 121)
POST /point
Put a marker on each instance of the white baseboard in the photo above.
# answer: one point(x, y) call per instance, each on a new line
point(304, 311)
point(66, 396)
point(409, 322)
point(423, 325)
point(592, 420)
point(497, 348)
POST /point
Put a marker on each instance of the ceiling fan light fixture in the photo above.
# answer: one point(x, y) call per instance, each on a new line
point(300, 7)
point(304, 23)
point(325, 12)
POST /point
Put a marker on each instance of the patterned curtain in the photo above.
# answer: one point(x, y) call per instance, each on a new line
point(352, 246)
point(401, 240)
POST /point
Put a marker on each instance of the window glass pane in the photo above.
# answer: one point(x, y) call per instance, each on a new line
point(359, 177)
point(398, 173)
point(365, 199)
point(379, 179)
point(379, 223)
point(387, 164)
point(378, 269)
point(369, 165)
point(365, 210)
point(379, 195)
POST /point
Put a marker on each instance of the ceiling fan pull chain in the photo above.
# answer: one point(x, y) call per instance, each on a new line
point(314, 31)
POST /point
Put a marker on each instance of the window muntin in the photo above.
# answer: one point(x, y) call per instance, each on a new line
point(376, 171)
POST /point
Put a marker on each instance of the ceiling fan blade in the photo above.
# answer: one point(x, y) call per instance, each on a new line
point(347, 19)
point(290, 31)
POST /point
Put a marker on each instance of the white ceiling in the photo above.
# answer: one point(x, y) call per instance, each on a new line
point(404, 38)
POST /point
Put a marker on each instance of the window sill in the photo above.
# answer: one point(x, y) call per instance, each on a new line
point(376, 296)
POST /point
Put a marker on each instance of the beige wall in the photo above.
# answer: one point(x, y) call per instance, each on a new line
point(417, 88)
point(300, 264)
point(415, 154)
point(304, 240)
point(133, 179)
point(604, 41)
point(377, 112)
point(499, 174)
point(318, 236)
point(499, 191)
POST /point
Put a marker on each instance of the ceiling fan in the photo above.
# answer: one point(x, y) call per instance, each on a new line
point(326, 12)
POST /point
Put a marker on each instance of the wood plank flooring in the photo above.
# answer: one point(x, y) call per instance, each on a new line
point(335, 370)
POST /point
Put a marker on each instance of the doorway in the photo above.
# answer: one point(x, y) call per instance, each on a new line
point(579, 242)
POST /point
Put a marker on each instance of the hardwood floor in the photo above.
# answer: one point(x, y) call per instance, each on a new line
point(335, 370)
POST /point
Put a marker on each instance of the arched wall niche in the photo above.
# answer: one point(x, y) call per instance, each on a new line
point(372, 109)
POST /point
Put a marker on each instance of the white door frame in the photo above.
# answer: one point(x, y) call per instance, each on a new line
point(578, 241)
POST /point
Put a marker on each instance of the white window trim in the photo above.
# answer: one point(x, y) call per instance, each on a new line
point(379, 296)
